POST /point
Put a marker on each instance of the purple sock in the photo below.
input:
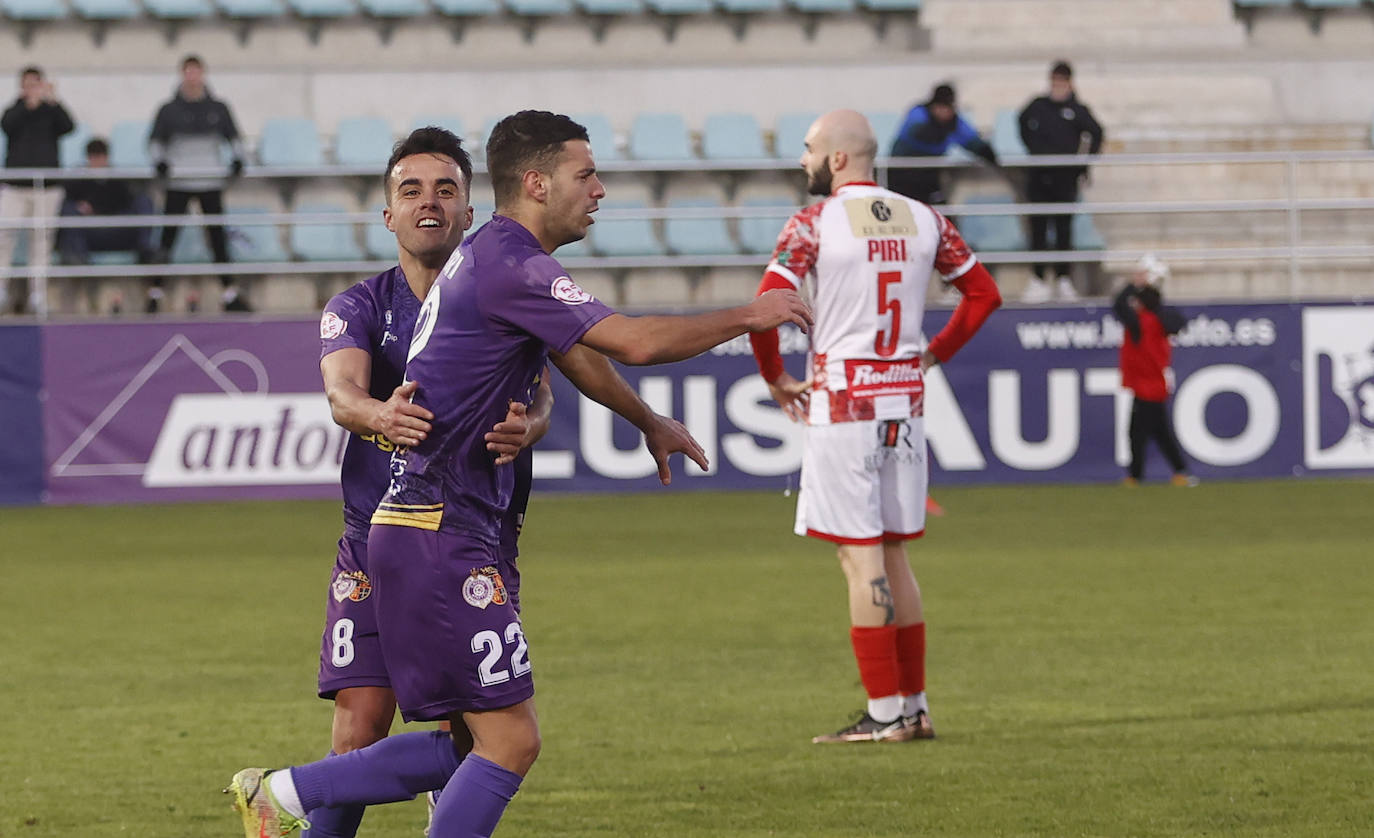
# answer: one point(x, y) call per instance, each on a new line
point(474, 800)
point(335, 821)
point(396, 768)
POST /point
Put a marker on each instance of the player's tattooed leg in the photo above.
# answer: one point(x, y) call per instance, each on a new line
point(882, 597)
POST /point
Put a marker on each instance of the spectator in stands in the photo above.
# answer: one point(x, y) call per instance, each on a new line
point(190, 133)
point(1145, 371)
point(103, 196)
point(32, 126)
point(929, 130)
point(1056, 123)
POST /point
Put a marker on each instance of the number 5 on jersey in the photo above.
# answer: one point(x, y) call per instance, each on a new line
point(885, 342)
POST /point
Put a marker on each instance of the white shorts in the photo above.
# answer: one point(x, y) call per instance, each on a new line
point(864, 482)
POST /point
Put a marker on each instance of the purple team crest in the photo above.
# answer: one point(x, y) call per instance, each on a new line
point(483, 587)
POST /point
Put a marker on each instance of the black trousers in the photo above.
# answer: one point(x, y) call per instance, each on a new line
point(924, 185)
point(211, 203)
point(1149, 420)
point(1051, 186)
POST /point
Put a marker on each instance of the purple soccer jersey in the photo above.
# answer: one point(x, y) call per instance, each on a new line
point(447, 621)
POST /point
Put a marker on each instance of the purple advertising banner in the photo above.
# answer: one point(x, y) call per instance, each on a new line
point(21, 418)
point(155, 411)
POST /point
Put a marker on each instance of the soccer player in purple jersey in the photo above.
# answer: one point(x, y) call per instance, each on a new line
point(454, 644)
point(365, 333)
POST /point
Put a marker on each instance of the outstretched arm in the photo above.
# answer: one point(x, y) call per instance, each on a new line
point(347, 375)
point(595, 377)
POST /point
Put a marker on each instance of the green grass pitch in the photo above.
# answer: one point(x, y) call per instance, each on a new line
point(1103, 662)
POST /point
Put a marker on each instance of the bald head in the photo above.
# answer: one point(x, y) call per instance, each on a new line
point(840, 149)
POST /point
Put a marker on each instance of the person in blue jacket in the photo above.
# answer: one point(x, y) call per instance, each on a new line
point(929, 130)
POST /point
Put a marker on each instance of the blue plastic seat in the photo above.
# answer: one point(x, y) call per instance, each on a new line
point(627, 236)
point(1332, 4)
point(362, 141)
point(540, 8)
point(1006, 134)
point(892, 5)
point(255, 242)
point(129, 144)
point(33, 9)
point(290, 142)
point(324, 8)
point(732, 136)
point(105, 9)
point(789, 135)
point(179, 9)
point(610, 7)
point(751, 6)
point(574, 250)
point(395, 8)
point(659, 136)
point(71, 149)
point(680, 7)
point(190, 247)
point(1085, 233)
point(885, 125)
point(252, 8)
point(602, 136)
point(697, 236)
point(378, 241)
point(329, 242)
point(466, 8)
point(823, 6)
point(992, 232)
point(759, 234)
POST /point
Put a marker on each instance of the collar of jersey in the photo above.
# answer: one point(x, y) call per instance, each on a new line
point(856, 183)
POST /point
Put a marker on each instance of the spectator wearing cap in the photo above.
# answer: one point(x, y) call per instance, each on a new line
point(929, 130)
point(1056, 123)
point(1145, 370)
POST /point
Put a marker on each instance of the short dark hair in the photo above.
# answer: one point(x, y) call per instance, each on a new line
point(943, 94)
point(31, 70)
point(430, 139)
point(1062, 70)
point(192, 59)
point(1149, 297)
point(97, 146)
point(524, 141)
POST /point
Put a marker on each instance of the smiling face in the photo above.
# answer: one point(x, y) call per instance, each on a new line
point(573, 193)
point(427, 207)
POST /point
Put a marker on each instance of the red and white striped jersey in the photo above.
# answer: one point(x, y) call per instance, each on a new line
point(865, 255)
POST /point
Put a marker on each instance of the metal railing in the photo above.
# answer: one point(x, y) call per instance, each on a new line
point(1293, 250)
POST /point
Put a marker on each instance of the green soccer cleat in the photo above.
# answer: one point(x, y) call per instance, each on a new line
point(262, 816)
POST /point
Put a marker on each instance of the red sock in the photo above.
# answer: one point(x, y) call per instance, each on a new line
point(911, 658)
point(876, 651)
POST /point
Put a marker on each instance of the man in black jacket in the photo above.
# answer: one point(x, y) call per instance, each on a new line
point(1056, 124)
point(103, 196)
point(32, 126)
point(190, 132)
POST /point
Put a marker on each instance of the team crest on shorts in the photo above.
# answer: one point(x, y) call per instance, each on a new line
point(483, 587)
point(353, 585)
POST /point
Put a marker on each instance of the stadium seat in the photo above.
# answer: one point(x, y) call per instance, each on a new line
point(610, 7)
point(105, 9)
point(885, 125)
point(892, 5)
point(255, 242)
point(1332, 4)
point(602, 136)
point(378, 241)
point(992, 232)
point(1006, 134)
point(574, 250)
point(362, 141)
point(759, 234)
point(697, 236)
point(540, 8)
point(1085, 233)
point(290, 142)
point(252, 8)
point(482, 208)
point(789, 135)
point(190, 247)
point(745, 7)
point(680, 7)
point(659, 136)
point(394, 8)
point(179, 9)
point(329, 242)
point(323, 8)
point(732, 136)
point(71, 149)
point(33, 9)
point(129, 145)
point(627, 236)
point(466, 8)
point(822, 6)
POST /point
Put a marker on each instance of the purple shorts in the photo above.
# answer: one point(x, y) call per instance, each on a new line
point(350, 652)
point(449, 628)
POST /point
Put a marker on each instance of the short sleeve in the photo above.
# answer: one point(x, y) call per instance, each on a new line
point(953, 258)
point(349, 321)
point(798, 246)
point(540, 298)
